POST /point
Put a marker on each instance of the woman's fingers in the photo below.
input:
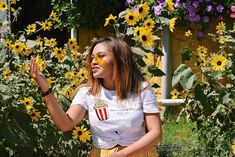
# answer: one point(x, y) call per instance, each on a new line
point(34, 68)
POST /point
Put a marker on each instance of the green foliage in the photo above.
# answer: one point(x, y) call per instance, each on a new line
point(210, 99)
point(85, 13)
point(26, 128)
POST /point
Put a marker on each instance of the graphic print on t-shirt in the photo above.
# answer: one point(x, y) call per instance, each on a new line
point(101, 110)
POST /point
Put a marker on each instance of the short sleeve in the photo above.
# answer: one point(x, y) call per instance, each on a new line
point(149, 101)
point(81, 97)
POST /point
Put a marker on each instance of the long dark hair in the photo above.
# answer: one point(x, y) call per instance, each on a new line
point(126, 73)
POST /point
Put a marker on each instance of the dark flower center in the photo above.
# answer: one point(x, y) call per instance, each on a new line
point(79, 133)
point(17, 46)
point(138, 33)
point(141, 10)
point(59, 51)
point(144, 38)
point(131, 17)
point(219, 63)
point(111, 21)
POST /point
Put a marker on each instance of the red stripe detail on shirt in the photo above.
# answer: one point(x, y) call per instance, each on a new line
point(101, 114)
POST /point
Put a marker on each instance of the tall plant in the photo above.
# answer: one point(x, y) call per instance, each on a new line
point(210, 92)
point(26, 128)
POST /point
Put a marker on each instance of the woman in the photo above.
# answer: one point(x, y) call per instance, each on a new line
point(121, 105)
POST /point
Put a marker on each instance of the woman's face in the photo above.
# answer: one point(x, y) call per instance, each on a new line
point(102, 62)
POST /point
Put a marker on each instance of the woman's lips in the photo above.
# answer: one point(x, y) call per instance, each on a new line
point(94, 69)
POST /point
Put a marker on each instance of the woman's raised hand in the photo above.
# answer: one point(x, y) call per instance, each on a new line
point(37, 75)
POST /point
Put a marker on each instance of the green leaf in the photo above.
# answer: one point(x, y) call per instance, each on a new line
point(187, 81)
point(177, 74)
point(186, 54)
point(31, 43)
point(138, 51)
point(3, 152)
point(64, 101)
point(155, 37)
point(158, 52)
point(14, 134)
point(155, 85)
point(49, 141)
point(129, 31)
point(123, 14)
point(5, 94)
point(155, 70)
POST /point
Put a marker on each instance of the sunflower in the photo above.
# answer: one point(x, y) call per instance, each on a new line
point(49, 81)
point(53, 16)
point(46, 25)
point(146, 38)
point(82, 133)
point(41, 63)
point(221, 40)
point(69, 75)
point(12, 10)
point(18, 47)
point(149, 23)
point(59, 54)
point(202, 51)
point(137, 31)
point(82, 74)
point(170, 5)
point(172, 23)
point(74, 48)
point(110, 20)
point(72, 42)
point(75, 83)
point(8, 43)
point(131, 18)
point(233, 146)
point(143, 10)
point(31, 28)
point(24, 67)
point(69, 93)
point(218, 63)
point(35, 115)
point(174, 94)
point(28, 102)
point(149, 59)
point(50, 43)
point(14, 1)
point(188, 33)
point(74, 56)
point(202, 61)
point(27, 51)
point(3, 6)
point(6, 73)
point(153, 80)
point(220, 28)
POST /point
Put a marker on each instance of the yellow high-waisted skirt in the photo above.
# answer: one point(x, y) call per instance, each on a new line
point(96, 152)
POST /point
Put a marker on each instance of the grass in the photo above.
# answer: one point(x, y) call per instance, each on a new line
point(178, 138)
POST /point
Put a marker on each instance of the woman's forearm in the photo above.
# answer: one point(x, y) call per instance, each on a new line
point(62, 121)
point(147, 141)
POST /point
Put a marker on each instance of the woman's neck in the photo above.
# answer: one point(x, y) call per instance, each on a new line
point(108, 84)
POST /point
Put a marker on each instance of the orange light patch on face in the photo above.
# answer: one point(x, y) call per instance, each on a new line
point(99, 59)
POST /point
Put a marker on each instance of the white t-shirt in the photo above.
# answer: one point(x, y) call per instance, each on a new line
point(115, 122)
